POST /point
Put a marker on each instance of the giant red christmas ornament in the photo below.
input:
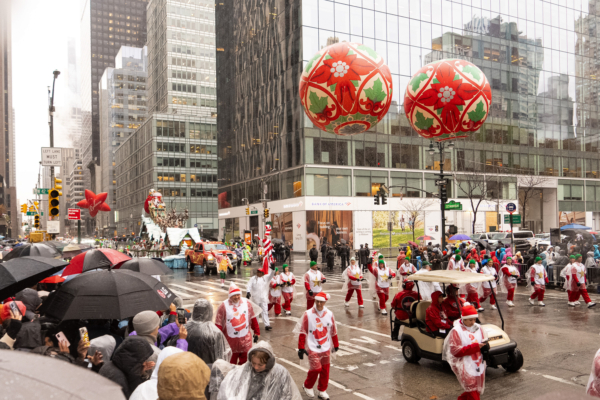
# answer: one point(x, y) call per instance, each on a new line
point(346, 88)
point(447, 99)
point(94, 202)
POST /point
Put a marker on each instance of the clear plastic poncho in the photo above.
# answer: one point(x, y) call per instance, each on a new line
point(593, 385)
point(567, 274)
point(204, 339)
point(287, 279)
point(471, 288)
point(218, 372)
point(469, 370)
point(259, 288)
point(357, 274)
point(238, 344)
point(314, 360)
point(274, 383)
point(504, 284)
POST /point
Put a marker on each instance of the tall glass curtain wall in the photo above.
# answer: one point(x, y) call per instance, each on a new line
point(540, 57)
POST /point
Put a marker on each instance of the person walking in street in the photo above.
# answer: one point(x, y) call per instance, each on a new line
point(235, 317)
point(324, 248)
point(473, 288)
point(456, 263)
point(258, 291)
point(537, 278)
point(313, 281)
point(275, 293)
point(223, 263)
point(463, 350)
point(288, 288)
point(363, 256)
point(383, 276)
point(400, 259)
point(488, 287)
point(509, 276)
point(405, 270)
point(313, 253)
point(317, 335)
point(401, 305)
point(345, 255)
point(353, 278)
point(576, 283)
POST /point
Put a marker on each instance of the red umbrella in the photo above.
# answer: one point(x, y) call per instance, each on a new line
point(53, 279)
point(409, 242)
point(93, 259)
point(424, 238)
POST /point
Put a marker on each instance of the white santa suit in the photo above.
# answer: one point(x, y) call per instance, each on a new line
point(259, 291)
point(405, 270)
point(427, 288)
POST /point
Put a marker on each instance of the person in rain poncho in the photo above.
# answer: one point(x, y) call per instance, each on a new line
point(239, 254)
point(183, 376)
point(590, 261)
point(148, 390)
point(218, 372)
point(383, 277)
point(246, 255)
point(576, 283)
point(288, 288)
point(435, 317)
point(401, 305)
point(400, 259)
point(204, 338)
point(456, 263)
point(427, 288)
point(536, 282)
point(405, 270)
point(258, 291)
point(317, 335)
point(488, 287)
point(313, 281)
point(463, 348)
point(509, 276)
point(223, 263)
point(596, 252)
point(353, 278)
point(260, 378)
point(234, 318)
point(275, 286)
point(473, 289)
point(593, 386)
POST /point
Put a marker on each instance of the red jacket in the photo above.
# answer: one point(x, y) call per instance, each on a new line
point(451, 309)
point(405, 295)
point(435, 318)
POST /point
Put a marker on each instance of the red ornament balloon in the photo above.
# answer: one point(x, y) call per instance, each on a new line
point(94, 202)
point(447, 99)
point(346, 88)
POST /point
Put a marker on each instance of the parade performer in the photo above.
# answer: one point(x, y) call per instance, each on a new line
point(576, 283)
point(235, 317)
point(456, 263)
point(268, 259)
point(488, 287)
point(405, 270)
point(450, 304)
point(509, 275)
point(473, 289)
point(463, 348)
point(223, 263)
point(258, 291)
point(353, 278)
point(288, 289)
point(383, 277)
point(536, 281)
point(436, 319)
point(593, 386)
point(317, 335)
point(313, 280)
point(275, 293)
point(401, 305)
point(400, 259)
point(246, 255)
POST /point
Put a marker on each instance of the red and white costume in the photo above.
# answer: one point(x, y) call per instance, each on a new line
point(509, 275)
point(454, 265)
point(405, 270)
point(490, 286)
point(400, 259)
point(383, 276)
point(537, 280)
point(353, 277)
point(317, 334)
point(313, 280)
point(268, 250)
point(287, 290)
point(462, 352)
point(593, 386)
point(275, 294)
point(235, 321)
point(576, 275)
point(473, 289)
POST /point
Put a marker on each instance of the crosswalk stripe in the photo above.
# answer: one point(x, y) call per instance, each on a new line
point(189, 289)
point(208, 287)
point(359, 347)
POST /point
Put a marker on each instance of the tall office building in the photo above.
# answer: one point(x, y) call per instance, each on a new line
point(174, 151)
point(8, 191)
point(123, 109)
point(539, 56)
point(105, 25)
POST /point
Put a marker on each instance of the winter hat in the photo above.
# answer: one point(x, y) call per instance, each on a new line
point(283, 266)
point(471, 261)
point(538, 259)
point(445, 252)
point(381, 262)
point(234, 289)
point(469, 312)
point(457, 257)
point(572, 257)
point(426, 263)
point(380, 256)
point(322, 296)
point(313, 263)
point(508, 258)
point(456, 251)
point(145, 322)
point(353, 259)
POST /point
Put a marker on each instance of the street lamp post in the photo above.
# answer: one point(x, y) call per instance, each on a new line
point(442, 185)
point(51, 123)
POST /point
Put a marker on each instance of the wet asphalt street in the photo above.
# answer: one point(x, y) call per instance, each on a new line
point(558, 343)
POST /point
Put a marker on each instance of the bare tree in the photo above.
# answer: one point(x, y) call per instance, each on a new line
point(530, 186)
point(415, 208)
point(472, 186)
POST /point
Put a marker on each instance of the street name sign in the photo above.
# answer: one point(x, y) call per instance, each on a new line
point(441, 182)
point(40, 191)
point(452, 205)
point(516, 218)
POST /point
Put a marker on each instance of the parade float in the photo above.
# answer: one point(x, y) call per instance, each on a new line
point(161, 217)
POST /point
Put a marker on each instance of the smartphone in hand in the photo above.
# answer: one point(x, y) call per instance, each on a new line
point(15, 309)
point(84, 335)
point(61, 337)
point(181, 316)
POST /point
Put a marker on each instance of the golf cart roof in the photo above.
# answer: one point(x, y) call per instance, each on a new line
point(456, 277)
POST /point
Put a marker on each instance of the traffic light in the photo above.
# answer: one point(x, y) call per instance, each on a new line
point(266, 213)
point(36, 221)
point(376, 199)
point(24, 208)
point(383, 199)
point(443, 194)
point(247, 210)
point(37, 205)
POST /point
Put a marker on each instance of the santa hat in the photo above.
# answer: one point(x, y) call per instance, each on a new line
point(469, 312)
point(234, 289)
point(321, 296)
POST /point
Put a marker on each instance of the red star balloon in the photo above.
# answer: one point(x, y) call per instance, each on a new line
point(94, 202)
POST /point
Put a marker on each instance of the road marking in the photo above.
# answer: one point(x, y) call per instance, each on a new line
point(369, 364)
point(560, 380)
point(360, 348)
point(208, 287)
point(191, 290)
point(366, 340)
point(362, 396)
point(184, 296)
point(364, 330)
point(394, 348)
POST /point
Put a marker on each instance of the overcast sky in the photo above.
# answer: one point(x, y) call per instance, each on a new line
point(40, 33)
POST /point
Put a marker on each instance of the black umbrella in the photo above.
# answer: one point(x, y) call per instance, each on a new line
point(33, 249)
point(56, 244)
point(148, 266)
point(34, 376)
point(485, 245)
point(574, 232)
point(24, 272)
point(111, 294)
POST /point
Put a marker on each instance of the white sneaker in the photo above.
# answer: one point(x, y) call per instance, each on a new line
point(577, 303)
point(323, 395)
point(383, 312)
point(361, 306)
point(494, 307)
point(531, 301)
point(510, 303)
point(591, 304)
point(288, 313)
point(481, 309)
point(541, 304)
point(571, 304)
point(347, 304)
point(309, 392)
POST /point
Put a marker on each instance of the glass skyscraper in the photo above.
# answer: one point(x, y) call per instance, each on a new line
point(539, 56)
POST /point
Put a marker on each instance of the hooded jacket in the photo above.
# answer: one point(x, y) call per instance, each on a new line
point(435, 317)
point(204, 338)
point(31, 300)
point(126, 366)
point(183, 376)
point(148, 390)
point(274, 383)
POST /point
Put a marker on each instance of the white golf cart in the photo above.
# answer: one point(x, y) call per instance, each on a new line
point(418, 343)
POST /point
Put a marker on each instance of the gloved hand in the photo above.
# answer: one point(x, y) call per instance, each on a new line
point(255, 338)
point(301, 353)
point(310, 292)
point(578, 284)
point(13, 329)
point(323, 280)
point(336, 349)
point(485, 348)
point(248, 295)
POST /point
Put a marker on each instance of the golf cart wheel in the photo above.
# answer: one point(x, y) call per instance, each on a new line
point(410, 352)
point(515, 361)
point(190, 265)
